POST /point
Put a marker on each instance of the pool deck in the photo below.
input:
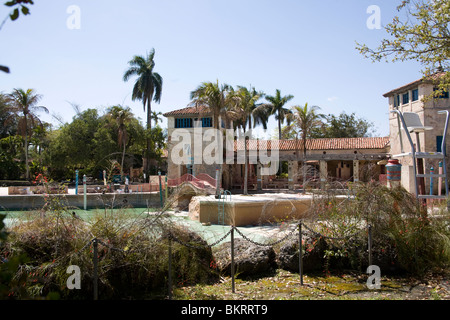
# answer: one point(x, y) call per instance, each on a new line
point(241, 210)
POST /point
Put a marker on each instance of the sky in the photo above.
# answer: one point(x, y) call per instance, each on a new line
point(304, 48)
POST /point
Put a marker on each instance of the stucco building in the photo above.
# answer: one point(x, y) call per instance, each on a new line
point(412, 97)
point(343, 160)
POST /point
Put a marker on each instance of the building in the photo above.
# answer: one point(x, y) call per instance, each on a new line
point(343, 160)
point(411, 98)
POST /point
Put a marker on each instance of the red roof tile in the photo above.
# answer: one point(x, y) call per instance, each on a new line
point(317, 144)
point(426, 79)
point(188, 111)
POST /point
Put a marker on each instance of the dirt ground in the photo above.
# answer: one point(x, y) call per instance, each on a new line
point(286, 286)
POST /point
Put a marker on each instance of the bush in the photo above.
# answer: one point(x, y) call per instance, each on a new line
point(405, 236)
point(132, 255)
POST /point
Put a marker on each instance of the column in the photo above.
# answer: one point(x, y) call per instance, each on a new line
point(323, 173)
point(355, 171)
point(258, 177)
point(292, 174)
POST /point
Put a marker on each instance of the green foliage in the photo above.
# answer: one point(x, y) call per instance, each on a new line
point(23, 8)
point(421, 35)
point(405, 236)
point(343, 126)
point(132, 254)
point(90, 141)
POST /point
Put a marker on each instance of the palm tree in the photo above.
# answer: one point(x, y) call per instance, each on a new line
point(219, 99)
point(156, 116)
point(122, 116)
point(23, 106)
point(276, 104)
point(251, 114)
point(147, 87)
point(305, 119)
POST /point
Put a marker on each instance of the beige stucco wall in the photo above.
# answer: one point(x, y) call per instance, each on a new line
point(429, 117)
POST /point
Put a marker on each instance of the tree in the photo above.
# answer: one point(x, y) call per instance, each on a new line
point(423, 35)
point(147, 87)
point(250, 114)
point(156, 116)
point(23, 105)
point(79, 145)
point(14, 15)
point(304, 120)
point(276, 103)
point(8, 124)
point(122, 116)
point(343, 126)
point(219, 99)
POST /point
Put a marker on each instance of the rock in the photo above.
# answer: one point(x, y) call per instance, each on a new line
point(313, 252)
point(250, 260)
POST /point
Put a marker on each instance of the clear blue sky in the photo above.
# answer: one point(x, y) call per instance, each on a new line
point(303, 48)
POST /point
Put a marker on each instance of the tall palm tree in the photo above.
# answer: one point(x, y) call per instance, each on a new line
point(305, 119)
point(219, 99)
point(122, 116)
point(148, 87)
point(276, 103)
point(23, 106)
point(251, 114)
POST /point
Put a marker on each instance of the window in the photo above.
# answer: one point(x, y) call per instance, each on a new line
point(415, 95)
point(405, 98)
point(183, 123)
point(206, 122)
point(443, 95)
point(439, 140)
point(398, 100)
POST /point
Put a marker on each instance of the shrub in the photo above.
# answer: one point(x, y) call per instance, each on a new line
point(132, 255)
point(405, 236)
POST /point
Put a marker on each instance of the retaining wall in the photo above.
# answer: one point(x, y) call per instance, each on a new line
point(29, 202)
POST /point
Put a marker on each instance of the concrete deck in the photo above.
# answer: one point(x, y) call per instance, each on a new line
point(240, 210)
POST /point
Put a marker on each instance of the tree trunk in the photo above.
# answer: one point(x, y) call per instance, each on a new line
point(149, 144)
point(27, 165)
point(217, 126)
point(280, 165)
point(304, 165)
point(123, 159)
point(245, 166)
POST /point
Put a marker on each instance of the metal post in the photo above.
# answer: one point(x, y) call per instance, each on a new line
point(85, 192)
point(160, 190)
point(166, 189)
point(95, 260)
point(370, 245)
point(170, 267)
point(300, 253)
point(440, 179)
point(76, 182)
point(217, 184)
point(431, 181)
point(232, 260)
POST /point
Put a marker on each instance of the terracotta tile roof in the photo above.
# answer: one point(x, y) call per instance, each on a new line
point(188, 111)
point(410, 85)
point(318, 144)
